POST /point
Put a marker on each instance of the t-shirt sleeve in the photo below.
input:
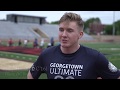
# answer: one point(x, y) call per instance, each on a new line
point(37, 68)
point(105, 68)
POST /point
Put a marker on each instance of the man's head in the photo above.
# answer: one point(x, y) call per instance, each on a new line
point(69, 17)
point(70, 29)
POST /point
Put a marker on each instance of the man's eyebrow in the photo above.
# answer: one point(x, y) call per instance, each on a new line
point(70, 28)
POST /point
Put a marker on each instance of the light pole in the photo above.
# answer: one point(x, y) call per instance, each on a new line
point(113, 23)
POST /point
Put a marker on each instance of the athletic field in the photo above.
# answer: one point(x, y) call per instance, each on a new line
point(18, 65)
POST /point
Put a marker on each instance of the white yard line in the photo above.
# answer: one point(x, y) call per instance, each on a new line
point(109, 48)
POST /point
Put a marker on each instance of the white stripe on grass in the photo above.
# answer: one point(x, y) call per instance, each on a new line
point(109, 48)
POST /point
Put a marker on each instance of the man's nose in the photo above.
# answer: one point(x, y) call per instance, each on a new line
point(64, 33)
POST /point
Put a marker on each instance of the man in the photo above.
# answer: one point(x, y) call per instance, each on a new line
point(52, 41)
point(10, 42)
point(70, 60)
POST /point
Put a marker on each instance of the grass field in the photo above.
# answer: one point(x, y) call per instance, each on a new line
point(110, 50)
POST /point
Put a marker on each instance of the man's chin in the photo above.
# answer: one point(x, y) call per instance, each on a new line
point(65, 46)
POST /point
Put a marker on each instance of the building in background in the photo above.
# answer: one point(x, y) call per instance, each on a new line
point(26, 19)
point(96, 28)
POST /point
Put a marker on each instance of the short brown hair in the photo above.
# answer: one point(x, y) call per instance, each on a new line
point(72, 17)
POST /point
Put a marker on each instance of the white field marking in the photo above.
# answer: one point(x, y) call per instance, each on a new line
point(23, 57)
point(17, 56)
point(30, 58)
point(109, 48)
point(11, 55)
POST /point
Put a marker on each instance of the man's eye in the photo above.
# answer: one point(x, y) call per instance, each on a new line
point(70, 30)
point(61, 30)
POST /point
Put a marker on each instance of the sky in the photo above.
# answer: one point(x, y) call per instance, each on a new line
point(106, 17)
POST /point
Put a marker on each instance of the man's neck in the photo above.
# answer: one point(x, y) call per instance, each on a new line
point(69, 50)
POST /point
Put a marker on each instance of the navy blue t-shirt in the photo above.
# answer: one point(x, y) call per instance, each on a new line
point(85, 63)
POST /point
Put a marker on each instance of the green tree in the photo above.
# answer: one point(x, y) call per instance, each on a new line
point(117, 27)
point(108, 29)
point(54, 22)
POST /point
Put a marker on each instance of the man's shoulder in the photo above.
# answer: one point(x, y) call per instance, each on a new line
point(51, 49)
point(90, 51)
point(88, 48)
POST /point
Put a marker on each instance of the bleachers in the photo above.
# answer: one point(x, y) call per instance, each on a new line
point(26, 31)
point(50, 30)
point(16, 31)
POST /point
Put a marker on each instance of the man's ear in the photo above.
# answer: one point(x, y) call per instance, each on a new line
point(80, 34)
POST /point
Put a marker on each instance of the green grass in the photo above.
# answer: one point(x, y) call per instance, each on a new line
point(17, 75)
point(18, 56)
point(111, 51)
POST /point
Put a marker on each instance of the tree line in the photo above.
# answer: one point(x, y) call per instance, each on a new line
point(108, 30)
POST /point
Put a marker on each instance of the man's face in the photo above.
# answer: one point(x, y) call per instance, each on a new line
point(69, 34)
